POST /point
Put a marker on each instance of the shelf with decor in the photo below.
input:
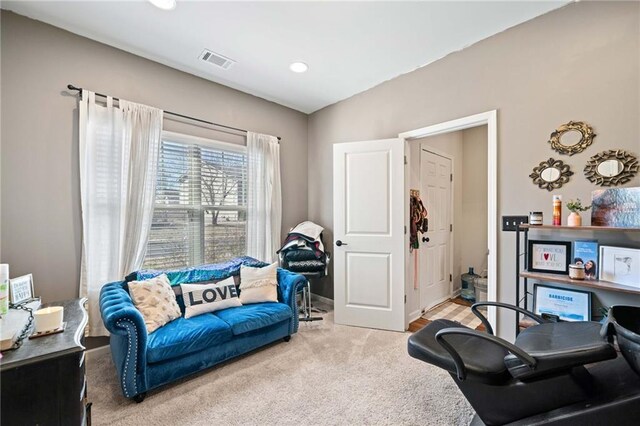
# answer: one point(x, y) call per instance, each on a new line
point(578, 228)
point(590, 283)
point(525, 274)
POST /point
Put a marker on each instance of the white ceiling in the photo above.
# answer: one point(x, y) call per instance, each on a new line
point(349, 46)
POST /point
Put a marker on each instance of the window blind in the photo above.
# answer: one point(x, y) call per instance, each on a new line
point(200, 208)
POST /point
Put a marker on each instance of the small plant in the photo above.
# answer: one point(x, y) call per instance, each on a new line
point(576, 206)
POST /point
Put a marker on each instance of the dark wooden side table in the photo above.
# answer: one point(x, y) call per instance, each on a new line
point(43, 382)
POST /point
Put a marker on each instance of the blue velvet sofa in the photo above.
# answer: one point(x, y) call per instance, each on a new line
point(185, 346)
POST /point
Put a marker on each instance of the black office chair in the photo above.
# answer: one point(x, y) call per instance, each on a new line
point(504, 382)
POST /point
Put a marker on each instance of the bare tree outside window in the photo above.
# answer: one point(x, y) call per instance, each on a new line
point(200, 209)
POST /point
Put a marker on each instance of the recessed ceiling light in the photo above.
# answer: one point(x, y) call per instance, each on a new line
point(298, 67)
point(164, 4)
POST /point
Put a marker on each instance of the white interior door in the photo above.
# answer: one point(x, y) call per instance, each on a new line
point(435, 246)
point(368, 218)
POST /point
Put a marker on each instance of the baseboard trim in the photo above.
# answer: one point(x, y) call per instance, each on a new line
point(456, 293)
point(322, 299)
point(95, 352)
point(414, 315)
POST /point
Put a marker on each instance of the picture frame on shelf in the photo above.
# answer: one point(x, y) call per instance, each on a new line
point(586, 252)
point(21, 289)
point(620, 265)
point(551, 257)
point(567, 305)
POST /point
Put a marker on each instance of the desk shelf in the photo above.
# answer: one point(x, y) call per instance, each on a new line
point(579, 228)
point(564, 279)
point(523, 276)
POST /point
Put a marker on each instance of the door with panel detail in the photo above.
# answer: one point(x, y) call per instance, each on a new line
point(368, 219)
point(435, 247)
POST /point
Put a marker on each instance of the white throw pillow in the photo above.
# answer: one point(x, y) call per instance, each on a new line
point(155, 300)
point(259, 285)
point(203, 298)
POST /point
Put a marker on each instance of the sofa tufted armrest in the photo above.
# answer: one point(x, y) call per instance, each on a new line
point(289, 284)
point(128, 336)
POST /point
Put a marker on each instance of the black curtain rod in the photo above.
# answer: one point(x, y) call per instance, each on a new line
point(79, 89)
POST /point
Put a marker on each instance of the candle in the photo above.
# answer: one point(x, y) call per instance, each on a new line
point(48, 319)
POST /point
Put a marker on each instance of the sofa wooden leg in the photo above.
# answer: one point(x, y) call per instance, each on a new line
point(286, 339)
point(140, 397)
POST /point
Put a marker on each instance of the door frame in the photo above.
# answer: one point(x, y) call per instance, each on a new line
point(425, 147)
point(490, 119)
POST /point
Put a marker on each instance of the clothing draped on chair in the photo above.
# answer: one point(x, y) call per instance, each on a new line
point(264, 197)
point(118, 166)
point(303, 250)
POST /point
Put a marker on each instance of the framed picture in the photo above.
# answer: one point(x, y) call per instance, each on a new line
point(585, 252)
point(568, 305)
point(620, 265)
point(21, 289)
point(552, 257)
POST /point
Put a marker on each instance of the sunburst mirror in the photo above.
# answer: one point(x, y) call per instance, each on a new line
point(572, 138)
point(551, 174)
point(611, 168)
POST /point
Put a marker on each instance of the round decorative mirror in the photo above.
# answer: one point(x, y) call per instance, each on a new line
point(611, 168)
point(551, 174)
point(572, 138)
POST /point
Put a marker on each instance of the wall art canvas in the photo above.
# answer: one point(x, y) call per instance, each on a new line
point(549, 256)
point(616, 207)
point(620, 265)
point(585, 252)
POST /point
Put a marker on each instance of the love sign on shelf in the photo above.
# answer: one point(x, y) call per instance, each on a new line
point(551, 257)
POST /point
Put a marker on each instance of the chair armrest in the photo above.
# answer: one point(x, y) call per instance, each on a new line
point(289, 284)
point(485, 321)
point(128, 336)
point(461, 370)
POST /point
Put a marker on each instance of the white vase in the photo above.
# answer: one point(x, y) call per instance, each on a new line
point(574, 219)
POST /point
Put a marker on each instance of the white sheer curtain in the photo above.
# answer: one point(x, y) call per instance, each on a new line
point(264, 196)
point(118, 165)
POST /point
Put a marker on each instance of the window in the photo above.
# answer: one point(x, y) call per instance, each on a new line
point(200, 208)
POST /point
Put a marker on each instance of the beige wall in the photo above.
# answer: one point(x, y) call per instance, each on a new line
point(581, 62)
point(473, 227)
point(41, 226)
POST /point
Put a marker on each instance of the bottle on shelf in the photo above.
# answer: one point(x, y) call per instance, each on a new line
point(557, 210)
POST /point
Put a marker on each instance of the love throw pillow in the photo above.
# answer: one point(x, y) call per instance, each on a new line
point(203, 298)
point(259, 285)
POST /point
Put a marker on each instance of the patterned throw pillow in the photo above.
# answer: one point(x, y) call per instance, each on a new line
point(259, 285)
point(155, 300)
point(202, 298)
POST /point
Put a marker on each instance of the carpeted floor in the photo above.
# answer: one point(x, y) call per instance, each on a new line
point(326, 375)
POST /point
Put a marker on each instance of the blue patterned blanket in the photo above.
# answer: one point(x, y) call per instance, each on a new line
point(194, 274)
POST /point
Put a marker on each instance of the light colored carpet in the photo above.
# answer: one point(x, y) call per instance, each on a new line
point(326, 375)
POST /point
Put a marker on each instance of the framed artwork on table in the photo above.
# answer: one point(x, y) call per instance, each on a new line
point(568, 305)
point(552, 257)
point(620, 265)
point(21, 289)
point(585, 252)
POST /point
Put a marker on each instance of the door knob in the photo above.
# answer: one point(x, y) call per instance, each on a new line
point(340, 243)
point(425, 239)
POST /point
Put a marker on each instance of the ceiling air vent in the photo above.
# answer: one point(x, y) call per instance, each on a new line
point(216, 59)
